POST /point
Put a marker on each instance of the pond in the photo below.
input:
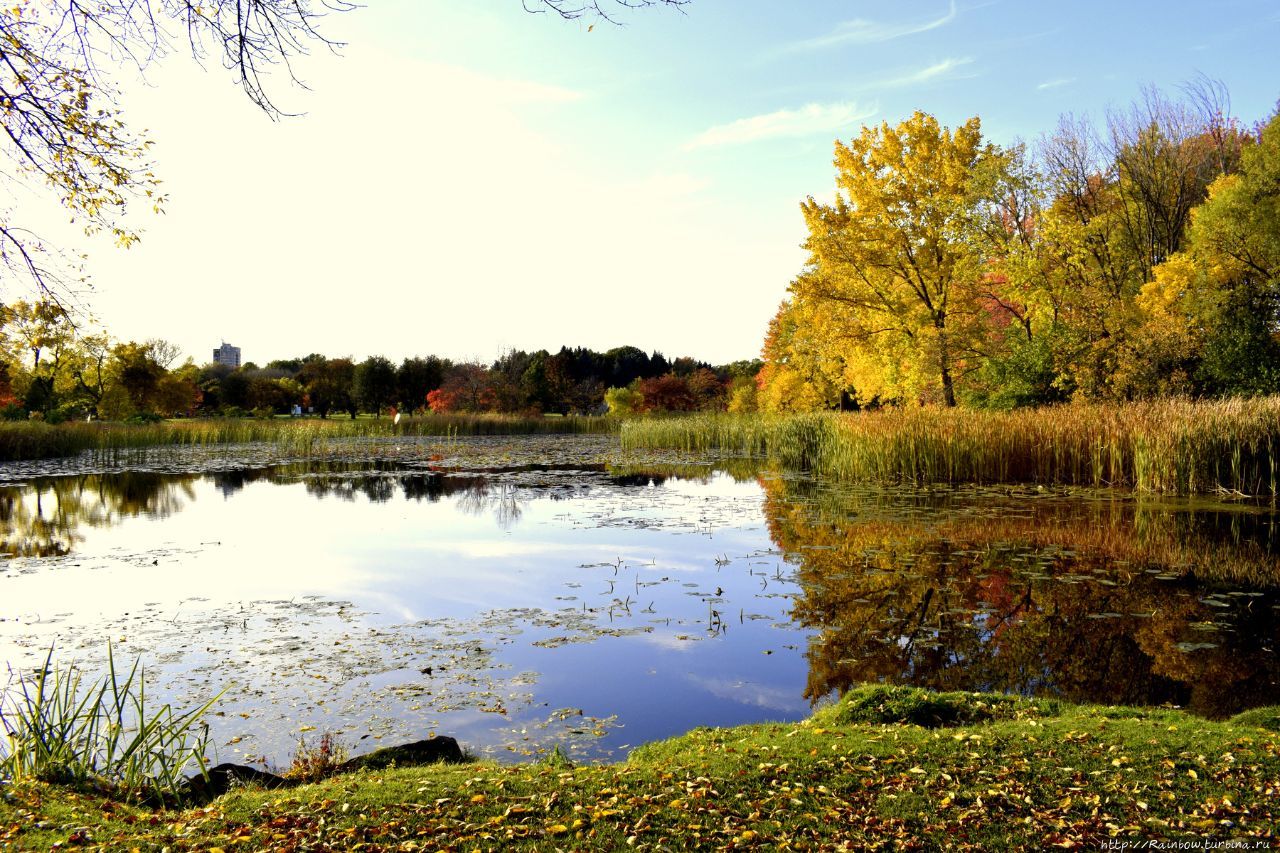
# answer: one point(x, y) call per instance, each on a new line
point(522, 594)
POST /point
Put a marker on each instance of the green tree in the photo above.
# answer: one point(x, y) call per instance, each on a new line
point(417, 377)
point(374, 384)
point(328, 383)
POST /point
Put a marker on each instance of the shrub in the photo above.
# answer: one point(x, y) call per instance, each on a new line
point(313, 763)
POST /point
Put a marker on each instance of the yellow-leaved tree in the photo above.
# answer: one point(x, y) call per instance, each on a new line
point(894, 294)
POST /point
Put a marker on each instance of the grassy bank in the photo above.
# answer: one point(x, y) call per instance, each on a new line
point(35, 440)
point(884, 769)
point(1167, 446)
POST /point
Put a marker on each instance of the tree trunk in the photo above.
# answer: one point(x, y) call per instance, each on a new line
point(948, 390)
point(944, 363)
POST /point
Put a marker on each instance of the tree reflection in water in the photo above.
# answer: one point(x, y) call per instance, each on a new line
point(1093, 599)
point(44, 518)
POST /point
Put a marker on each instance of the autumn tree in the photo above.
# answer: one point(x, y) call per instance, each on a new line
point(89, 369)
point(38, 336)
point(1119, 202)
point(467, 387)
point(895, 261)
point(624, 402)
point(36, 327)
point(138, 374)
point(707, 390)
point(178, 392)
point(1218, 299)
point(667, 393)
point(804, 369)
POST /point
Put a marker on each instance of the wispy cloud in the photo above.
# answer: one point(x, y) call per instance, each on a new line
point(864, 31)
point(766, 696)
point(809, 119)
point(923, 75)
point(1055, 83)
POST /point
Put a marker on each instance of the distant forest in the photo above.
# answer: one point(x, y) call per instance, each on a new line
point(50, 371)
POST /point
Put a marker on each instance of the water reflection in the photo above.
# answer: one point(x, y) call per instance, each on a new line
point(1094, 600)
point(661, 582)
point(575, 595)
point(46, 518)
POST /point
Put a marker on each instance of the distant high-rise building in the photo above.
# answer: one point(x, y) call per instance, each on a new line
point(228, 355)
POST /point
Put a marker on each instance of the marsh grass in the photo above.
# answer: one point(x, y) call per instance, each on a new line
point(37, 440)
point(1171, 446)
point(64, 728)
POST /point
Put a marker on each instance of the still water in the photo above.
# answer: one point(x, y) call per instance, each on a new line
point(596, 607)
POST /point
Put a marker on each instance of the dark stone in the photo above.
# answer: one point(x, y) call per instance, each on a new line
point(432, 751)
point(222, 778)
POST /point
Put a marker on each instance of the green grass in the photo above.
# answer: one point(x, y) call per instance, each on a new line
point(36, 440)
point(1005, 774)
point(1171, 446)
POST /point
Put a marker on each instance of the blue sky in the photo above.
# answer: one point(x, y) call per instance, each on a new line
point(469, 177)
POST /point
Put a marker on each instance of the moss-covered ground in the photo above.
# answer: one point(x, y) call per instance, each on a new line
point(886, 768)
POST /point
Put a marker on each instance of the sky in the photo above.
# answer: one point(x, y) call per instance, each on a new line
point(465, 178)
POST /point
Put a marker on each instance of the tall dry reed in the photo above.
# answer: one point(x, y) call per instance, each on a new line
point(1172, 446)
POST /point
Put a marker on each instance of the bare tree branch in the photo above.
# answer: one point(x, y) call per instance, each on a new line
point(604, 10)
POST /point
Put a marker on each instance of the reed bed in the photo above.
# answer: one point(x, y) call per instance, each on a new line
point(35, 440)
point(63, 727)
point(1169, 446)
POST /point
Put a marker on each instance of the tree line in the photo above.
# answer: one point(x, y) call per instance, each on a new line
point(1133, 259)
point(52, 370)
